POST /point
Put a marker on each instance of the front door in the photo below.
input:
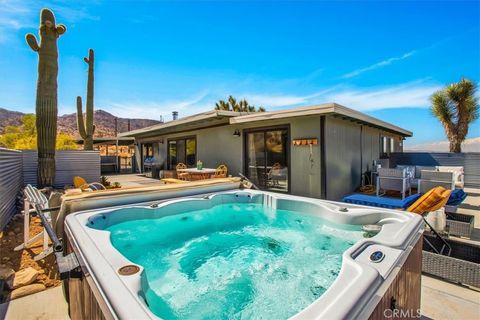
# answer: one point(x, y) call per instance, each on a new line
point(267, 158)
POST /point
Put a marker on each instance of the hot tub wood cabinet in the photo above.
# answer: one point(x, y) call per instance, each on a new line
point(373, 277)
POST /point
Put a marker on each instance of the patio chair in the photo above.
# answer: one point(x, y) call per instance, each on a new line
point(40, 204)
point(393, 179)
point(432, 178)
point(182, 175)
point(220, 172)
point(79, 182)
point(275, 175)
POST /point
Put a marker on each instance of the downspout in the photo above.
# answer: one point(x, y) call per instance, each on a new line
point(323, 163)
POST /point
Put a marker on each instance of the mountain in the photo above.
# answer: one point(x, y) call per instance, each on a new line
point(67, 123)
point(469, 145)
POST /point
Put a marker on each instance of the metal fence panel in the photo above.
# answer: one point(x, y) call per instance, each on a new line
point(69, 163)
point(470, 162)
point(11, 182)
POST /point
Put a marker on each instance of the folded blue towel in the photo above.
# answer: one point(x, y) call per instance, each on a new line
point(382, 202)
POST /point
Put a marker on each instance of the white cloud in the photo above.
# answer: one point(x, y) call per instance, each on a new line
point(155, 109)
point(16, 15)
point(409, 95)
point(415, 94)
point(378, 65)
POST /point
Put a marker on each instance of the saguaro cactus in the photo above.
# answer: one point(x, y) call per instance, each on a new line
point(46, 101)
point(87, 128)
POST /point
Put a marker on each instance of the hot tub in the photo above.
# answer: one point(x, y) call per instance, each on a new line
point(247, 254)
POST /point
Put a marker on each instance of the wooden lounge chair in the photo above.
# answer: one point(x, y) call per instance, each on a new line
point(182, 175)
point(40, 204)
point(220, 172)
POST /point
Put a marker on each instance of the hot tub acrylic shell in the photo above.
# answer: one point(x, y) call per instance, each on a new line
point(354, 294)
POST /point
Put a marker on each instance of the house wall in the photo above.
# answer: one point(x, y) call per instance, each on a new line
point(350, 150)
point(218, 145)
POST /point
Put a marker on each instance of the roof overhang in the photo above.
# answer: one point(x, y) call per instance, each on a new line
point(322, 109)
point(121, 141)
point(197, 121)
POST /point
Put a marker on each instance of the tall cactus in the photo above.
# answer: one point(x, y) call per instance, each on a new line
point(46, 100)
point(87, 128)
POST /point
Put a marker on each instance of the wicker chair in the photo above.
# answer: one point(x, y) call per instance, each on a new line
point(220, 172)
point(182, 175)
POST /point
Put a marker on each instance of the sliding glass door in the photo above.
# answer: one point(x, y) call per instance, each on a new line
point(183, 150)
point(267, 158)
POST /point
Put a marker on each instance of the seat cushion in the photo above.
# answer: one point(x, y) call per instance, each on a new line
point(382, 202)
point(433, 200)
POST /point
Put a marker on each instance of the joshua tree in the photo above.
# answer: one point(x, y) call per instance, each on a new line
point(46, 101)
point(456, 107)
point(233, 105)
point(86, 128)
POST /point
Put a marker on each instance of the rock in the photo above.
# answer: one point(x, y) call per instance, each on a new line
point(26, 290)
point(11, 233)
point(6, 259)
point(23, 278)
point(6, 273)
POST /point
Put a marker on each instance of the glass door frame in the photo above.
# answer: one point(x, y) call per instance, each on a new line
point(185, 138)
point(289, 157)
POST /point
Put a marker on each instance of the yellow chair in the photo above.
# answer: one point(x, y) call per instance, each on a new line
point(433, 200)
point(220, 172)
point(182, 175)
point(79, 182)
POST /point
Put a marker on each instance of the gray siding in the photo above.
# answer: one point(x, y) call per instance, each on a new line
point(11, 183)
point(350, 150)
point(218, 145)
point(69, 163)
point(343, 166)
point(349, 146)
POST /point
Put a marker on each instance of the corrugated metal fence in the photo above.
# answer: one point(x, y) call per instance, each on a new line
point(69, 163)
point(11, 183)
point(18, 168)
point(470, 162)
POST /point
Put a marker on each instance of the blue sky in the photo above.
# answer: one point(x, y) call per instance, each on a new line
point(153, 57)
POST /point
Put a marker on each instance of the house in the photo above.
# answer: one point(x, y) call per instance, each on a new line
point(322, 151)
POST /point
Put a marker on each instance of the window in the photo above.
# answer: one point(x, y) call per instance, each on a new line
point(182, 150)
point(387, 146)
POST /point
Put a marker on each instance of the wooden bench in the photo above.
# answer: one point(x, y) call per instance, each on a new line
point(173, 180)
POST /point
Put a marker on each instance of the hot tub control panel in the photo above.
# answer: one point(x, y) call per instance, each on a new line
point(382, 258)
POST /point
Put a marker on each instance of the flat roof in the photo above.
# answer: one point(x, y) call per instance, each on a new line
point(220, 117)
point(199, 119)
point(321, 109)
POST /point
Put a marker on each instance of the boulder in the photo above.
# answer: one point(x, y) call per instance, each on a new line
point(26, 290)
point(6, 272)
point(22, 278)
